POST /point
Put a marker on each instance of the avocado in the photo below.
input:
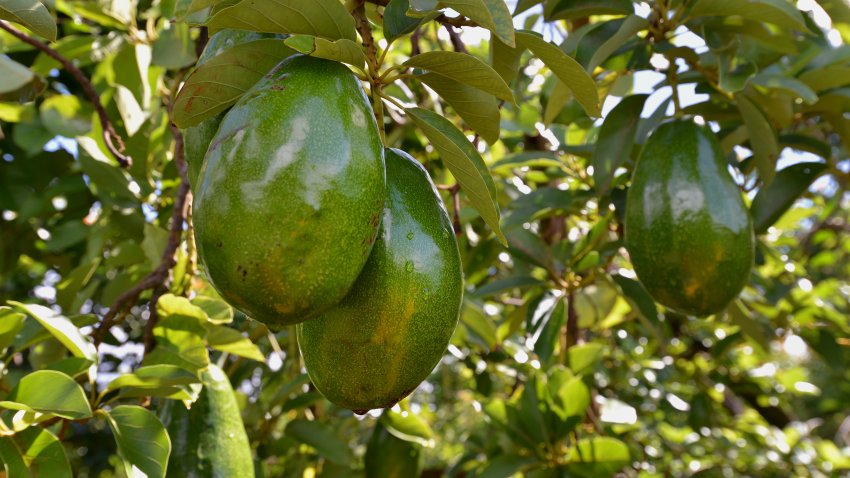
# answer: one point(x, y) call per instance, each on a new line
point(209, 439)
point(291, 192)
point(196, 139)
point(387, 335)
point(687, 230)
point(390, 457)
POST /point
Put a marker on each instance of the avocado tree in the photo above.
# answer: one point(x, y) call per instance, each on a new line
point(577, 352)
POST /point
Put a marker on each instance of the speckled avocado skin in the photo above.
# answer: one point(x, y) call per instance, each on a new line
point(688, 232)
point(290, 196)
point(208, 440)
point(390, 331)
point(196, 139)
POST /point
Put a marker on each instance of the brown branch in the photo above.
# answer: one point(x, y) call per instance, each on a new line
point(375, 85)
point(454, 36)
point(454, 190)
point(113, 141)
point(158, 277)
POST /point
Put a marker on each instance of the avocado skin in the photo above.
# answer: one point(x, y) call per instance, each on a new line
point(387, 335)
point(196, 139)
point(687, 230)
point(209, 439)
point(290, 196)
point(390, 457)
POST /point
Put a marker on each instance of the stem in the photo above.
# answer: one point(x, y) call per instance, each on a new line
point(392, 100)
point(673, 79)
point(372, 62)
point(113, 142)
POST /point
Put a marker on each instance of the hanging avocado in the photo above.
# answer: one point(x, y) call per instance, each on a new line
point(688, 232)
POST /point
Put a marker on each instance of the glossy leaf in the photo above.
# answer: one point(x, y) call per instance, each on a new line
point(345, 51)
point(584, 358)
point(616, 139)
point(762, 138)
point(31, 14)
point(490, 14)
point(505, 59)
point(154, 376)
point(778, 12)
point(62, 329)
point(181, 341)
point(598, 456)
point(465, 69)
point(569, 71)
point(478, 109)
point(143, 443)
point(630, 27)
point(34, 453)
point(49, 392)
point(321, 437)
point(11, 323)
point(408, 426)
point(321, 18)
point(217, 84)
point(226, 339)
point(465, 163)
point(773, 200)
point(568, 9)
point(396, 21)
point(14, 75)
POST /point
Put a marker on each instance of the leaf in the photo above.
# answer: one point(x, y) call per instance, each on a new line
point(762, 138)
point(478, 109)
point(322, 18)
point(778, 12)
point(217, 310)
point(490, 14)
point(61, 328)
point(504, 285)
point(465, 163)
point(826, 78)
point(143, 443)
point(345, 51)
point(229, 340)
point(583, 358)
point(569, 71)
point(569, 9)
point(153, 377)
point(217, 84)
point(34, 453)
point(13, 75)
point(505, 59)
point(751, 328)
point(630, 27)
point(170, 304)
point(322, 438)
point(616, 139)
point(31, 14)
point(181, 341)
point(408, 426)
point(505, 466)
point(72, 366)
point(598, 456)
point(774, 199)
point(11, 323)
point(791, 85)
point(463, 68)
point(479, 324)
point(174, 49)
point(396, 21)
point(49, 392)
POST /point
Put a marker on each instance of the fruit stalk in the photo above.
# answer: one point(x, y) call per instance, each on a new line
point(372, 64)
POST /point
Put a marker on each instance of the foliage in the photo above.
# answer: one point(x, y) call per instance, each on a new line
point(562, 364)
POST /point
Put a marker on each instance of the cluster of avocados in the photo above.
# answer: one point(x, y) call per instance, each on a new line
point(303, 217)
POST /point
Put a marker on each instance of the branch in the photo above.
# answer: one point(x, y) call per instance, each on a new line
point(372, 62)
point(113, 142)
point(158, 277)
point(454, 190)
point(454, 36)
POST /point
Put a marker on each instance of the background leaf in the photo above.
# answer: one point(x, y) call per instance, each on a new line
point(143, 443)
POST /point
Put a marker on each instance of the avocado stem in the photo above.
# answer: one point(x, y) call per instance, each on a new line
point(375, 85)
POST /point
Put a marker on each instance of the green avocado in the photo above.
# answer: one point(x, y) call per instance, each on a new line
point(289, 199)
point(196, 139)
point(390, 457)
point(209, 439)
point(387, 335)
point(688, 232)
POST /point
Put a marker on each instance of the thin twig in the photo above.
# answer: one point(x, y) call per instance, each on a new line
point(113, 141)
point(457, 42)
point(454, 191)
point(362, 24)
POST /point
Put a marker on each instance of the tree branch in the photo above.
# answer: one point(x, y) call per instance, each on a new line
point(113, 141)
point(454, 36)
point(375, 85)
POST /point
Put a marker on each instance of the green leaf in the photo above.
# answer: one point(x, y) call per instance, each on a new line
point(217, 84)
point(773, 200)
point(72, 366)
point(174, 49)
point(11, 323)
point(478, 109)
point(345, 51)
point(229, 340)
point(616, 139)
point(408, 426)
point(584, 358)
point(322, 438)
point(153, 377)
point(61, 328)
point(505, 59)
point(217, 310)
point(322, 18)
point(505, 466)
point(569, 71)
point(143, 443)
point(67, 291)
point(181, 341)
point(569, 9)
point(778, 12)
point(474, 318)
point(762, 138)
point(791, 85)
point(598, 456)
point(396, 21)
point(463, 68)
point(490, 14)
point(13, 75)
point(49, 392)
point(826, 78)
point(31, 14)
point(465, 163)
point(170, 304)
point(34, 453)
point(506, 284)
point(627, 31)
point(751, 328)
